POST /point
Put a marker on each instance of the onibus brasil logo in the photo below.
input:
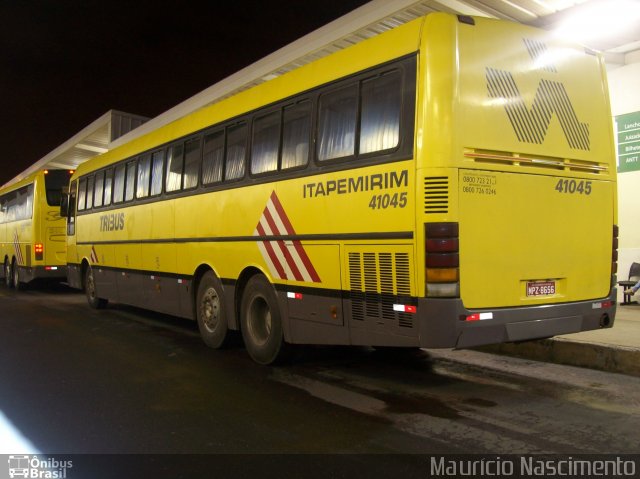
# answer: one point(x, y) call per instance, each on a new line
point(37, 467)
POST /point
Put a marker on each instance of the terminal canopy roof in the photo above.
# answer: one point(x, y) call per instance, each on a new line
point(92, 140)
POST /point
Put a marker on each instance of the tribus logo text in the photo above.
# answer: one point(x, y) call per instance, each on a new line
point(112, 222)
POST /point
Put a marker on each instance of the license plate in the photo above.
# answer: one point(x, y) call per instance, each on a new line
point(541, 288)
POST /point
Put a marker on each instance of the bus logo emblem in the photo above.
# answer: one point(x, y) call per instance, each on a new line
point(531, 124)
point(285, 261)
point(18, 466)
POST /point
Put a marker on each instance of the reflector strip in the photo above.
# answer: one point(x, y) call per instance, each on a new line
point(51, 268)
point(479, 316)
point(294, 295)
point(602, 305)
point(405, 308)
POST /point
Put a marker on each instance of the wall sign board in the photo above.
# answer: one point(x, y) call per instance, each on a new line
point(628, 141)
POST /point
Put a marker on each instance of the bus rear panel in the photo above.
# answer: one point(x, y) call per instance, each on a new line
point(520, 206)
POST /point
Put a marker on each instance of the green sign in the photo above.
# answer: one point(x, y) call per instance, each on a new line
point(628, 128)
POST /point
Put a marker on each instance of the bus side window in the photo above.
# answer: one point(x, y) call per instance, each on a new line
point(30, 201)
point(22, 205)
point(175, 165)
point(99, 189)
point(131, 181)
point(9, 210)
point(108, 183)
point(266, 142)
point(236, 152)
point(191, 163)
point(82, 194)
point(89, 192)
point(144, 175)
point(295, 135)
point(213, 158)
point(157, 173)
point(118, 184)
point(380, 113)
point(337, 123)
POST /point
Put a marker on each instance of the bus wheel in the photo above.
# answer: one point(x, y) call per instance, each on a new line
point(91, 291)
point(8, 276)
point(15, 276)
point(261, 322)
point(210, 311)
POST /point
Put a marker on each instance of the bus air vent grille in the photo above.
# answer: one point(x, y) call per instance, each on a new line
point(378, 280)
point(436, 195)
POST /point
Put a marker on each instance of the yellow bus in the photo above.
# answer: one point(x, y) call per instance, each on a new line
point(448, 183)
point(32, 232)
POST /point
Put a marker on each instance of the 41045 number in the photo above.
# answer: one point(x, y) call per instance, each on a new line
point(571, 187)
point(396, 200)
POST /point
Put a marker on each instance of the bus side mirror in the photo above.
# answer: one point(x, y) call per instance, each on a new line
point(64, 206)
point(64, 202)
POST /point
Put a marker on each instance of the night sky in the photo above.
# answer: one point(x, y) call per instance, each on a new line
point(65, 63)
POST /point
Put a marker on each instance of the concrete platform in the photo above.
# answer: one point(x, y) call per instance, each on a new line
point(614, 349)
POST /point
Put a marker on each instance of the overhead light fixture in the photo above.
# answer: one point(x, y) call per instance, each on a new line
point(599, 20)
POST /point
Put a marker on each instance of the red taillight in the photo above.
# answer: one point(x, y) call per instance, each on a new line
point(442, 260)
point(439, 260)
point(442, 245)
point(38, 249)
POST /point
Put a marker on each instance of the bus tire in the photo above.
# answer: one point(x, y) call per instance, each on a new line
point(8, 276)
point(91, 291)
point(15, 276)
point(261, 322)
point(210, 311)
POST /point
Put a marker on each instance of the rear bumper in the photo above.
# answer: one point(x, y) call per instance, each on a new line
point(28, 274)
point(441, 326)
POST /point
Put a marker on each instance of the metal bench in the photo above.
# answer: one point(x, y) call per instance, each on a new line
point(634, 277)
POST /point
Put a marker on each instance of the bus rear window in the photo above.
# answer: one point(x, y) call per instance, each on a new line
point(54, 181)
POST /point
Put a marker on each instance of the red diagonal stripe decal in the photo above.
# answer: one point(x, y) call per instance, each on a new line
point(298, 246)
point(278, 254)
point(272, 254)
point(282, 214)
point(285, 251)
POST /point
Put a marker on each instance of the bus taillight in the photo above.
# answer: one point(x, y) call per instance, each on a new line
point(38, 249)
point(442, 260)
